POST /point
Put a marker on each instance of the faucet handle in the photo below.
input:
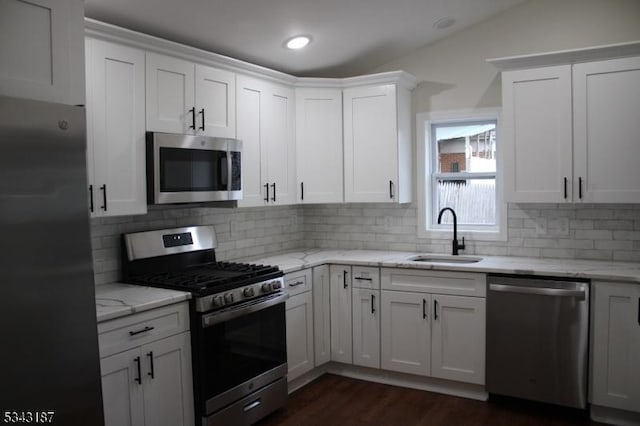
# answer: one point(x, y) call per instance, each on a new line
point(461, 246)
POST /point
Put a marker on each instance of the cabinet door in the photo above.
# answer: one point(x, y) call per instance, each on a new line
point(168, 390)
point(299, 334)
point(321, 315)
point(366, 327)
point(115, 129)
point(616, 346)
point(280, 145)
point(251, 100)
point(536, 134)
point(215, 102)
point(341, 327)
point(39, 55)
point(606, 101)
point(319, 145)
point(370, 144)
point(405, 335)
point(121, 392)
point(170, 95)
point(458, 338)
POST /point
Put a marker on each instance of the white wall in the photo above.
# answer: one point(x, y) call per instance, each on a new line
point(453, 70)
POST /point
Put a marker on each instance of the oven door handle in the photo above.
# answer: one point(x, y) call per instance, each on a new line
point(228, 314)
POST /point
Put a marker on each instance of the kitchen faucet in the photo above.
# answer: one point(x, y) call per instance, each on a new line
point(456, 246)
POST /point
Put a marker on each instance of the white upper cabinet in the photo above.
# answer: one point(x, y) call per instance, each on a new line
point(570, 125)
point(319, 145)
point(41, 50)
point(187, 98)
point(377, 144)
point(536, 134)
point(265, 125)
point(215, 102)
point(115, 129)
point(606, 105)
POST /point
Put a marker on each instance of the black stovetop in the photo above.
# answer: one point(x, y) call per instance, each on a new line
point(209, 278)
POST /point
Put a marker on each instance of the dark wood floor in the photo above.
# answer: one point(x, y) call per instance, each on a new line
point(335, 400)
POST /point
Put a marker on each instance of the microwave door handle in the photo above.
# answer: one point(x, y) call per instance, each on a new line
point(224, 171)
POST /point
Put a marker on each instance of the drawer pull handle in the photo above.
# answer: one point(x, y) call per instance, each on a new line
point(296, 284)
point(363, 279)
point(144, 330)
point(253, 405)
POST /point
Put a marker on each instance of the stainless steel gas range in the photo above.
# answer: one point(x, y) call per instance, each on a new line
point(237, 320)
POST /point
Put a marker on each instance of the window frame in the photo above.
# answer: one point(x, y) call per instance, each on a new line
point(425, 153)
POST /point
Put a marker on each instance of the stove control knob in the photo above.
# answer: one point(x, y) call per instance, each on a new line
point(276, 285)
point(266, 287)
point(218, 301)
point(247, 292)
point(228, 298)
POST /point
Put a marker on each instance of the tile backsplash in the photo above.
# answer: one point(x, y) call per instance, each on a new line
point(584, 231)
point(241, 233)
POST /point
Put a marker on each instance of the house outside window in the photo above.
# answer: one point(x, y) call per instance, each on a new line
point(459, 168)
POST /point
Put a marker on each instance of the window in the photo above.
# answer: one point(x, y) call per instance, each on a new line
point(458, 168)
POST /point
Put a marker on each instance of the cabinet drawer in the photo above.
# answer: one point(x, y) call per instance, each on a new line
point(439, 282)
point(366, 277)
point(134, 330)
point(298, 282)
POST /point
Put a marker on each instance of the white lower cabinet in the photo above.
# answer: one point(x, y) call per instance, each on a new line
point(458, 338)
point(341, 321)
point(321, 315)
point(366, 316)
point(150, 381)
point(433, 334)
point(299, 319)
point(615, 342)
point(405, 332)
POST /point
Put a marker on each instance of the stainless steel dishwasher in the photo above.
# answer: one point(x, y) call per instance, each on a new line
point(537, 339)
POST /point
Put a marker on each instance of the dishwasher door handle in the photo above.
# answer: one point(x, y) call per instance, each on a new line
point(542, 291)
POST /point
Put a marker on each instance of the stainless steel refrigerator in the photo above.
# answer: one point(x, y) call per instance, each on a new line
point(49, 358)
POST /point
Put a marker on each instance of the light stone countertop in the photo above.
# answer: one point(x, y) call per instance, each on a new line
point(117, 300)
point(588, 269)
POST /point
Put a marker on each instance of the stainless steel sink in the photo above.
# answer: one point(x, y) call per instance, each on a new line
point(444, 258)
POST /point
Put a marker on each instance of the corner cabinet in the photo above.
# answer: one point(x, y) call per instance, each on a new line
point(115, 129)
point(321, 315)
point(615, 346)
point(265, 124)
point(41, 50)
point(299, 319)
point(146, 368)
point(377, 144)
point(341, 322)
point(562, 139)
point(319, 145)
point(366, 316)
point(433, 324)
point(188, 98)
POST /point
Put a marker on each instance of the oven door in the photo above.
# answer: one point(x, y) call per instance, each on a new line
point(187, 169)
point(240, 350)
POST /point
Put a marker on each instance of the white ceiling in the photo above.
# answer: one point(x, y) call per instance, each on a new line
point(350, 37)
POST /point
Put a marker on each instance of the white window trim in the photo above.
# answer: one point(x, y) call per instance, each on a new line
point(423, 135)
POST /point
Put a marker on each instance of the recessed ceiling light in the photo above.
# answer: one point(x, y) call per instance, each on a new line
point(297, 42)
point(443, 23)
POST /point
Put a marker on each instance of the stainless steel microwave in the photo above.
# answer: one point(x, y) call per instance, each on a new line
point(192, 169)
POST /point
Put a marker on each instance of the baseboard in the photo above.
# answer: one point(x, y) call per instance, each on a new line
point(614, 416)
point(447, 387)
